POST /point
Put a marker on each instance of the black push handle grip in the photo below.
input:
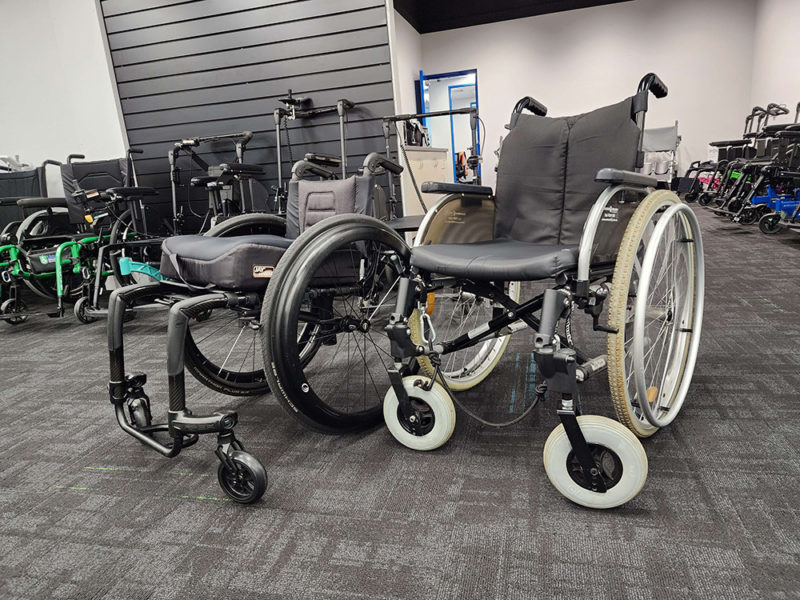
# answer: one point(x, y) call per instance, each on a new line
point(246, 137)
point(758, 110)
point(653, 83)
point(303, 167)
point(375, 161)
point(531, 105)
point(777, 109)
point(72, 157)
point(135, 151)
point(346, 104)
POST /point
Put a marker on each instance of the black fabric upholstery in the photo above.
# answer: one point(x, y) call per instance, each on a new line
point(91, 175)
point(545, 179)
point(311, 201)
point(235, 263)
point(19, 184)
point(438, 187)
point(498, 259)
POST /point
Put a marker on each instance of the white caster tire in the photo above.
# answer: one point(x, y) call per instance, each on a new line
point(618, 453)
point(434, 408)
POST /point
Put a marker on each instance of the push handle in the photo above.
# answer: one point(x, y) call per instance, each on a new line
point(135, 151)
point(303, 167)
point(531, 105)
point(375, 161)
point(652, 82)
point(72, 157)
point(777, 109)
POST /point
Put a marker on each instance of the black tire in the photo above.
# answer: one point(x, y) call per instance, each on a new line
point(704, 199)
point(748, 216)
point(296, 379)
point(735, 206)
point(208, 369)
point(12, 306)
point(769, 224)
point(80, 311)
point(248, 482)
point(249, 224)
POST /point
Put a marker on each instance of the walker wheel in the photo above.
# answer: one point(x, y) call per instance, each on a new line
point(245, 483)
point(769, 224)
point(14, 306)
point(79, 308)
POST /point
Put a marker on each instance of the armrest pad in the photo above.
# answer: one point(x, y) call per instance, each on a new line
point(788, 134)
point(436, 187)
point(630, 177)
point(132, 191)
point(42, 202)
point(202, 180)
point(726, 143)
point(241, 169)
point(776, 128)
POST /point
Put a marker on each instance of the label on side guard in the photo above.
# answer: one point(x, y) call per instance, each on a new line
point(262, 271)
point(610, 214)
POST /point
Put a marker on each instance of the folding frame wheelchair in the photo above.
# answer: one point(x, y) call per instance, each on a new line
point(215, 290)
point(429, 320)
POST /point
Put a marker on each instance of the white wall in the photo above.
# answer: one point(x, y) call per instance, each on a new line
point(776, 55)
point(582, 59)
point(58, 95)
point(406, 63)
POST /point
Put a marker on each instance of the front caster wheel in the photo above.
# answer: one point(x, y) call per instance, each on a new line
point(617, 452)
point(79, 308)
point(433, 420)
point(14, 306)
point(769, 224)
point(245, 483)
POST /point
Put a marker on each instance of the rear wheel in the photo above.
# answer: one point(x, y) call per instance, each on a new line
point(324, 317)
point(656, 307)
point(222, 348)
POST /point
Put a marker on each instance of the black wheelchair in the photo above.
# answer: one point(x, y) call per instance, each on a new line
point(352, 310)
point(214, 291)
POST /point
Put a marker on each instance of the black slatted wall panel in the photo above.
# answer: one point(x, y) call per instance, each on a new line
point(209, 67)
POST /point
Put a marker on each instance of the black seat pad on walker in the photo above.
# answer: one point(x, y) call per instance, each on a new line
point(496, 260)
point(236, 263)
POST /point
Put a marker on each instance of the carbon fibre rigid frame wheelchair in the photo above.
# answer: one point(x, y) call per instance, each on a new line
point(214, 285)
point(352, 311)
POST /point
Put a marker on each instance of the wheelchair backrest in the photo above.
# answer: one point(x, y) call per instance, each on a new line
point(545, 178)
point(312, 201)
point(91, 175)
point(15, 185)
point(23, 184)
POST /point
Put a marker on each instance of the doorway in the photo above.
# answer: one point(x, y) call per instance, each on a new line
point(448, 91)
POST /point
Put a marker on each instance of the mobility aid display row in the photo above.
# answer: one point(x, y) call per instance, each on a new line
point(51, 251)
point(215, 298)
point(426, 321)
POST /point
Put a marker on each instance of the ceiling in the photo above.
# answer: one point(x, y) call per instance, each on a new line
point(427, 16)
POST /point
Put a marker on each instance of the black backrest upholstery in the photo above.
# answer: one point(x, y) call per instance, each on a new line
point(91, 175)
point(94, 175)
point(311, 201)
point(23, 184)
point(545, 179)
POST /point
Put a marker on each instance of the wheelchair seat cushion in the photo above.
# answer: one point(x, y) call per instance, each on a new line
point(237, 263)
point(496, 260)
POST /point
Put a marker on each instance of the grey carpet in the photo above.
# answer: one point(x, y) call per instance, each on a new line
point(87, 512)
